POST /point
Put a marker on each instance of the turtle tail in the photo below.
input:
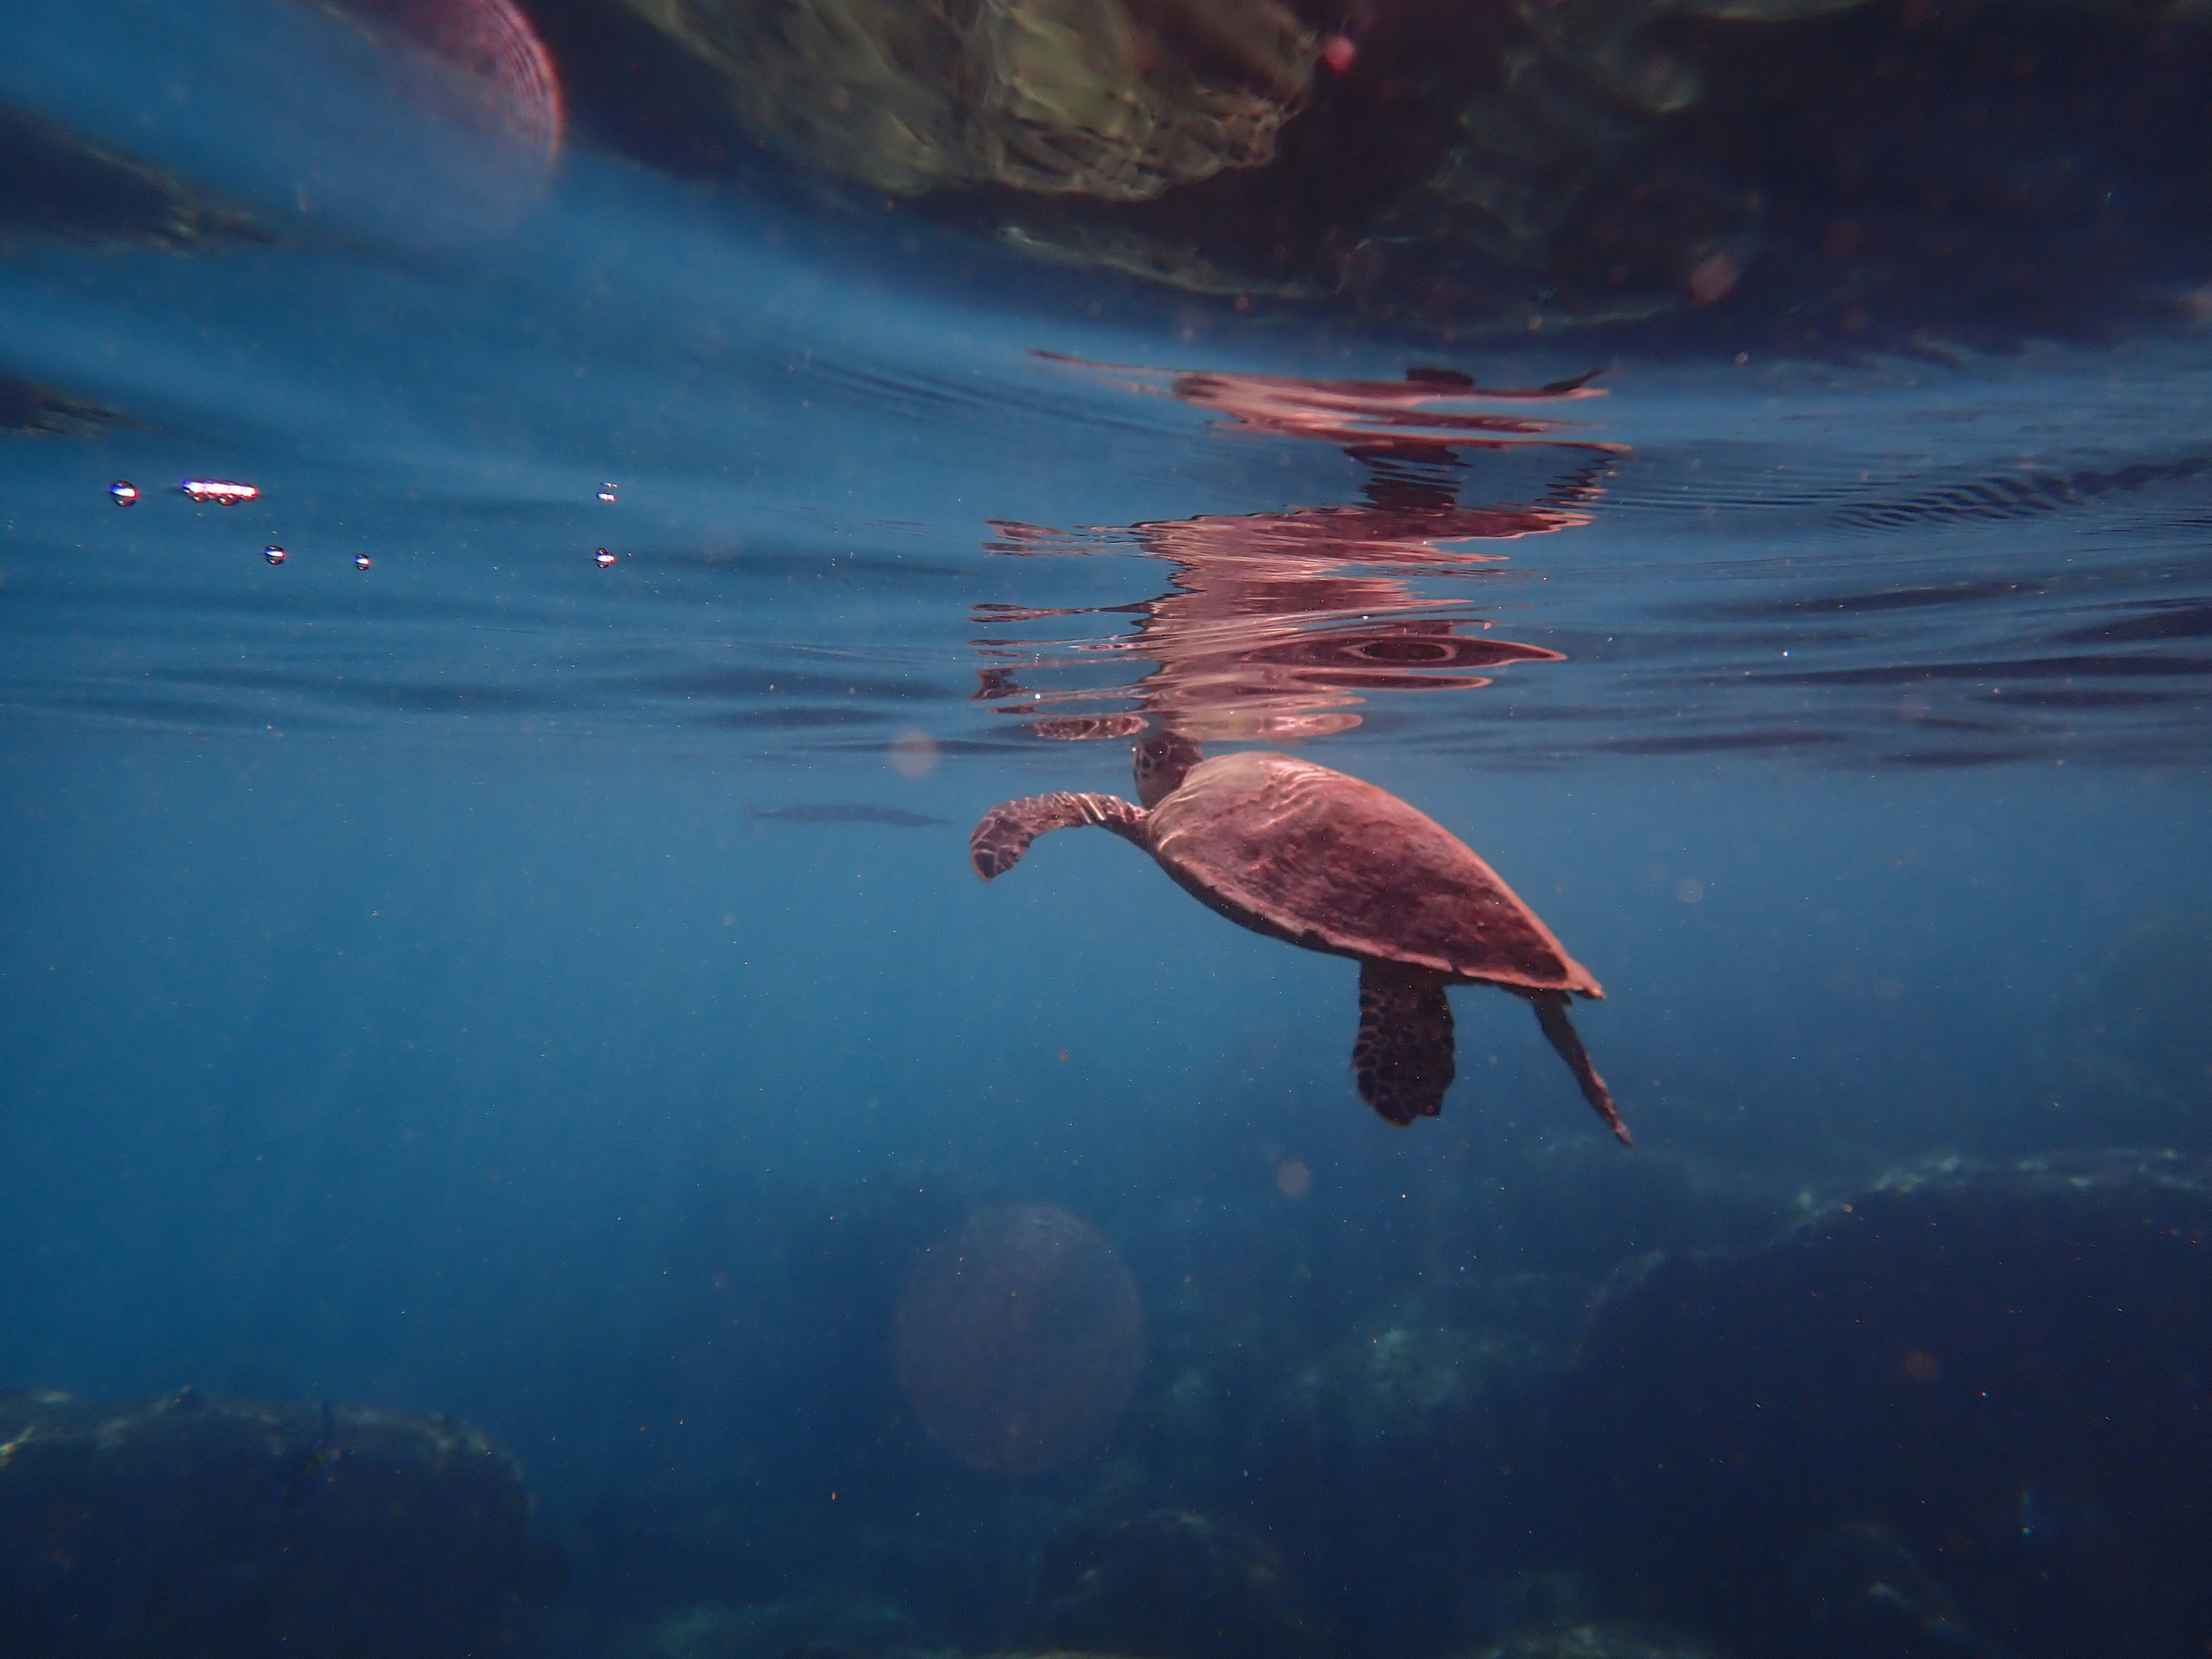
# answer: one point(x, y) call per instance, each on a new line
point(1552, 1015)
point(998, 842)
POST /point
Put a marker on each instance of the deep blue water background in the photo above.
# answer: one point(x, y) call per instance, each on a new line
point(392, 973)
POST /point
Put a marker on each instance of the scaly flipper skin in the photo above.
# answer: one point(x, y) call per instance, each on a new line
point(1403, 1059)
point(1006, 830)
point(1552, 1015)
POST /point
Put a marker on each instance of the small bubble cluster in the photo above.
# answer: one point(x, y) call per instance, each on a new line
point(122, 493)
point(607, 494)
point(224, 492)
point(273, 553)
point(602, 558)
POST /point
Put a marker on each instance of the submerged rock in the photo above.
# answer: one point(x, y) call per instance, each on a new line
point(2133, 1041)
point(1601, 1639)
point(189, 1526)
point(1866, 1593)
point(1393, 1464)
point(1169, 1584)
point(1413, 1393)
point(822, 1626)
point(1993, 1373)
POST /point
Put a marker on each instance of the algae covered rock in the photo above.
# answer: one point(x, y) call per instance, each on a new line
point(189, 1526)
point(1169, 1584)
point(1112, 99)
point(1413, 1392)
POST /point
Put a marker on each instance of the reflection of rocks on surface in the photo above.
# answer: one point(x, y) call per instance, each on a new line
point(29, 408)
point(1884, 158)
point(238, 1530)
point(1831, 164)
point(1169, 1585)
point(1997, 1369)
point(55, 184)
point(1113, 100)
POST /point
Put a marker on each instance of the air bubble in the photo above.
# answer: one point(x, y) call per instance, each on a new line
point(602, 558)
point(607, 494)
point(122, 493)
point(222, 491)
point(361, 562)
point(273, 553)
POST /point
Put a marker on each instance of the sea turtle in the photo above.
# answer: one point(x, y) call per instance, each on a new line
point(1299, 853)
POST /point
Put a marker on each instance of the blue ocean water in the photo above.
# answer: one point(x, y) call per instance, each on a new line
point(554, 994)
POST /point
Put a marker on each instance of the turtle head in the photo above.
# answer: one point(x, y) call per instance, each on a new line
point(1162, 759)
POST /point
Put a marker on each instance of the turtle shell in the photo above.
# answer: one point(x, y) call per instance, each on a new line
point(1303, 854)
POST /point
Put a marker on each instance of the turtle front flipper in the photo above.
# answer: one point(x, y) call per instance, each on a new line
point(1552, 1015)
point(998, 842)
point(1403, 1059)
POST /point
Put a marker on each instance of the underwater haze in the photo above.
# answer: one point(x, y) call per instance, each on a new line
point(522, 1131)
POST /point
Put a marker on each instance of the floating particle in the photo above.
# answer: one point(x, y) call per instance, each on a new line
point(221, 491)
point(607, 494)
point(602, 558)
point(122, 493)
point(361, 561)
point(273, 553)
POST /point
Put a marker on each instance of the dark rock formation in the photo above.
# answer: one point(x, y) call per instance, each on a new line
point(1967, 1406)
point(216, 1529)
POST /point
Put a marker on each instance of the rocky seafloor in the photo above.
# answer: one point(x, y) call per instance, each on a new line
point(1966, 1406)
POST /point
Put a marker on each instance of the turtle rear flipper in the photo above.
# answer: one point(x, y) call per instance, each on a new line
point(996, 843)
point(1552, 1015)
point(1403, 1059)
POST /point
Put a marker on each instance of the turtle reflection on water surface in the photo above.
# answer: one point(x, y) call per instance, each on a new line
point(1326, 862)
